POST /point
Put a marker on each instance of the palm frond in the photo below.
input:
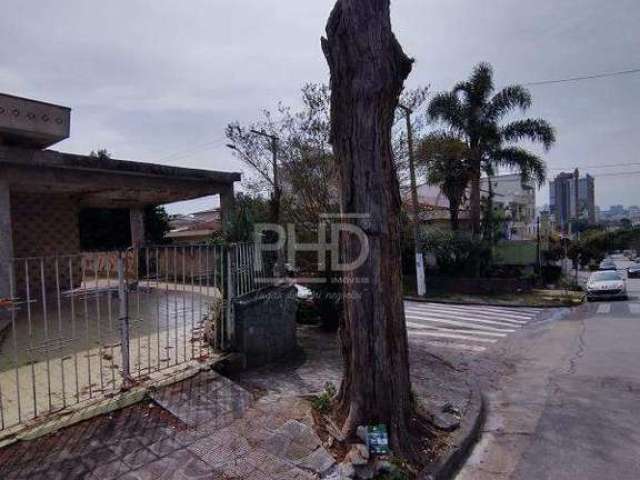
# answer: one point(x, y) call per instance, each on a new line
point(447, 108)
point(535, 130)
point(514, 96)
point(481, 81)
point(530, 166)
point(462, 87)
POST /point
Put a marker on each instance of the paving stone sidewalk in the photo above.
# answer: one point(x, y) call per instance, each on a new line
point(253, 426)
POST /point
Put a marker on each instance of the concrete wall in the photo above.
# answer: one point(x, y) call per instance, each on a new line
point(265, 324)
point(31, 123)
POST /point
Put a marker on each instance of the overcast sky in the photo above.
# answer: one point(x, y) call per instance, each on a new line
point(158, 80)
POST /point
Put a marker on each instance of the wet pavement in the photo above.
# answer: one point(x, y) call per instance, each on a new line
point(255, 426)
point(564, 398)
point(54, 355)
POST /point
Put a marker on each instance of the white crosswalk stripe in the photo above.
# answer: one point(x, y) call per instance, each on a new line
point(634, 308)
point(464, 327)
point(481, 312)
point(457, 323)
point(481, 333)
point(487, 320)
point(604, 308)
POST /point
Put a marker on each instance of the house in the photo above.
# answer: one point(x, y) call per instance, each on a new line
point(517, 199)
point(510, 194)
point(434, 208)
point(197, 227)
point(42, 191)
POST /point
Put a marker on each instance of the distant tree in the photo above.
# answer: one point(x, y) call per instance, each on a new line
point(304, 156)
point(156, 225)
point(446, 160)
point(101, 153)
point(308, 177)
point(626, 223)
point(249, 210)
point(580, 225)
point(413, 99)
point(473, 112)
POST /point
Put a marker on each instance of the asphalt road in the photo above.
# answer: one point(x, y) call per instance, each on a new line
point(564, 397)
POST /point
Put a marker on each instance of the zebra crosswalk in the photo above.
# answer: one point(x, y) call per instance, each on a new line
point(617, 308)
point(464, 327)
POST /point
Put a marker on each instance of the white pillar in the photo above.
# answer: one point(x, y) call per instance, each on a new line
point(6, 238)
point(136, 219)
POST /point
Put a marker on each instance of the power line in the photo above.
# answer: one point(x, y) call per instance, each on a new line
point(584, 77)
point(191, 151)
point(617, 174)
point(588, 167)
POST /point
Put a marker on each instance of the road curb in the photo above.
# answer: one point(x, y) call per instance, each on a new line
point(483, 304)
point(463, 442)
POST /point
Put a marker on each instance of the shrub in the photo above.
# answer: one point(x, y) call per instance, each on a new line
point(458, 254)
point(322, 402)
point(551, 273)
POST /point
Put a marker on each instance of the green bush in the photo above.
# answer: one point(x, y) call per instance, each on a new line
point(458, 254)
point(551, 273)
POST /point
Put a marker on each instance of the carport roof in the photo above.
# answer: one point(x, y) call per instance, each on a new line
point(108, 183)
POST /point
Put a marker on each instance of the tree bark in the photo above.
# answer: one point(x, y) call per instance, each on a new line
point(368, 69)
point(454, 212)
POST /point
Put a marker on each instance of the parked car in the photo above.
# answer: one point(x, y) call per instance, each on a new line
point(606, 285)
point(608, 265)
point(634, 271)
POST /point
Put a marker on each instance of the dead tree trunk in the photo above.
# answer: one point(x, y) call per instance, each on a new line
point(368, 69)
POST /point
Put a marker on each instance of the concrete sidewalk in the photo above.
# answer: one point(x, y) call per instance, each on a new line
point(255, 426)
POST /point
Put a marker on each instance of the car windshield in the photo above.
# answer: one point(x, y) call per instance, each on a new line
point(605, 277)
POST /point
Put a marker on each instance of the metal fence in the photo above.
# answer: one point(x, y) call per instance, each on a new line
point(83, 327)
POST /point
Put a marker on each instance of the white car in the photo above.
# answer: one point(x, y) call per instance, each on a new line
point(606, 285)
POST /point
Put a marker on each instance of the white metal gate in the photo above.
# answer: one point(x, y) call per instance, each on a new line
point(84, 327)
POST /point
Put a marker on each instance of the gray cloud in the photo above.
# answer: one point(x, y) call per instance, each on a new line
point(153, 80)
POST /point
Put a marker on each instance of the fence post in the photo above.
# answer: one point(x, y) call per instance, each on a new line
point(123, 297)
point(230, 295)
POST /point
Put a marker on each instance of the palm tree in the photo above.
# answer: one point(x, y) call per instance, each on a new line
point(445, 157)
point(473, 112)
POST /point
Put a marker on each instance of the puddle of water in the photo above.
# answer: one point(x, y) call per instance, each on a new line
point(87, 320)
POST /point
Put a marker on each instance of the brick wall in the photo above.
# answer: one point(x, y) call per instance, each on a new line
point(45, 226)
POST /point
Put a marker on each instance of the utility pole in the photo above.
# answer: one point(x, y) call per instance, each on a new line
point(539, 249)
point(419, 258)
point(276, 195)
